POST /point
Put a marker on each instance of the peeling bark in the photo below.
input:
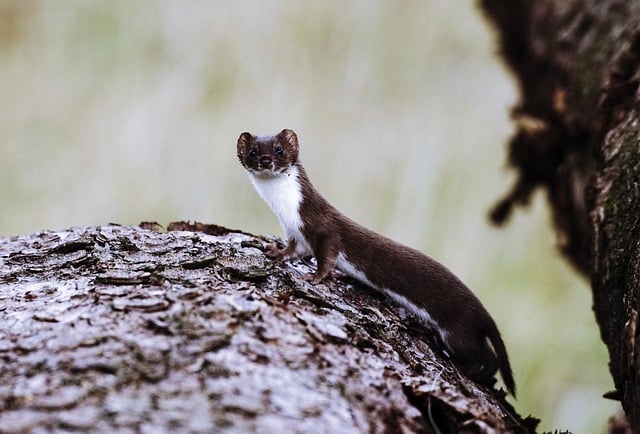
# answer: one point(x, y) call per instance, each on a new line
point(125, 328)
point(578, 139)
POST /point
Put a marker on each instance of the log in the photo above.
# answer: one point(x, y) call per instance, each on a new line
point(127, 328)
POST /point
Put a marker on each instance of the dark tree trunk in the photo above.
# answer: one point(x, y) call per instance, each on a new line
point(116, 328)
point(578, 139)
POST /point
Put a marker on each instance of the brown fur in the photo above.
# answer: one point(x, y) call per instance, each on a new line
point(467, 330)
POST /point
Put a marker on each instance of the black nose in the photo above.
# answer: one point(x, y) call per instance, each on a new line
point(265, 161)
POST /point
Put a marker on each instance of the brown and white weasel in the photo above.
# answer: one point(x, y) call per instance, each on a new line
point(421, 284)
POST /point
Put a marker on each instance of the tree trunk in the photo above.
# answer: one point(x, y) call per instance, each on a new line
point(116, 328)
point(578, 66)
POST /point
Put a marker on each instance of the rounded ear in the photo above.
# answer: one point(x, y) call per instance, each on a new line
point(290, 137)
point(243, 141)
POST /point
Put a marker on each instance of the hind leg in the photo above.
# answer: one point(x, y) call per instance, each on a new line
point(475, 358)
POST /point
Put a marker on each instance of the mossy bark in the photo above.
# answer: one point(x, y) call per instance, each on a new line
point(578, 138)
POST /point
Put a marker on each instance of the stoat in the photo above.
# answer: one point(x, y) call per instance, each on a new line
point(427, 288)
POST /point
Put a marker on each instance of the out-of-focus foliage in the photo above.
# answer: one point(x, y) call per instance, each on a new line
point(126, 111)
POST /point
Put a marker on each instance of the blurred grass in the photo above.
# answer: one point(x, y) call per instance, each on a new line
point(127, 111)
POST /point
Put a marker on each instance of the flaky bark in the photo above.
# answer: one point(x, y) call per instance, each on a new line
point(122, 328)
point(578, 66)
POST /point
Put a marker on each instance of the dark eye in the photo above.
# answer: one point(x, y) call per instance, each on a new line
point(279, 151)
point(253, 153)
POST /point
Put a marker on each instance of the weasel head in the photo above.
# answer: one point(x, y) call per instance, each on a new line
point(268, 156)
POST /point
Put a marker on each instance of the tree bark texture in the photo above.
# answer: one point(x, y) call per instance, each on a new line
point(130, 329)
point(577, 63)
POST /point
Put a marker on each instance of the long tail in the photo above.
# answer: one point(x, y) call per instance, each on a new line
point(503, 358)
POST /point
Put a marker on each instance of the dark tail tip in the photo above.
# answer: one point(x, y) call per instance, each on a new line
point(503, 359)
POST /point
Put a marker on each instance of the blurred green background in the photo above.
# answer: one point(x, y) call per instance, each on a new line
point(124, 111)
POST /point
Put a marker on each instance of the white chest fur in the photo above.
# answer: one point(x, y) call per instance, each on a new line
point(283, 195)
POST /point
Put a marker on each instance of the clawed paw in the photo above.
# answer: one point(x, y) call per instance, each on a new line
point(312, 278)
point(273, 252)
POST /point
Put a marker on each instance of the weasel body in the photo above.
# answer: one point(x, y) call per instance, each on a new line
point(409, 277)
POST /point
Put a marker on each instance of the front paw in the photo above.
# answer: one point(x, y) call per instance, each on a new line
point(273, 252)
point(312, 278)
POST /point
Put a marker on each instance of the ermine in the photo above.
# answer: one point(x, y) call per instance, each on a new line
point(421, 284)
